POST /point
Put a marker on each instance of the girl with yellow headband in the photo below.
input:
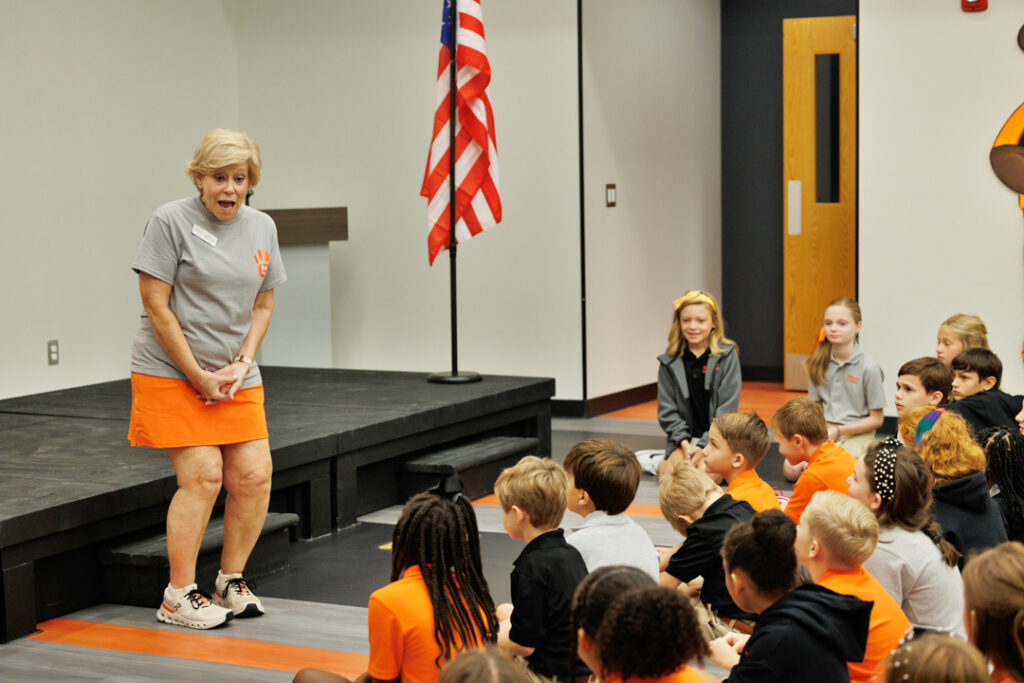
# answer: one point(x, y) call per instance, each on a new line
point(698, 379)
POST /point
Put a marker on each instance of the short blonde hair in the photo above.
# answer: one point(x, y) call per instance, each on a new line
point(222, 147)
point(537, 486)
point(682, 492)
point(844, 526)
point(947, 448)
point(803, 416)
point(744, 433)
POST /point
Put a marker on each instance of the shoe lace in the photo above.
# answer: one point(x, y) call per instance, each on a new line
point(197, 598)
point(239, 586)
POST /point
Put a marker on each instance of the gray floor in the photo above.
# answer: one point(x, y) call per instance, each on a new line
point(319, 601)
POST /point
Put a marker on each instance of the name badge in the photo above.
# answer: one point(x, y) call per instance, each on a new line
point(204, 235)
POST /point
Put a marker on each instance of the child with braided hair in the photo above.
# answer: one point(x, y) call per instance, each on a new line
point(437, 603)
point(912, 561)
point(613, 611)
point(994, 609)
point(1004, 467)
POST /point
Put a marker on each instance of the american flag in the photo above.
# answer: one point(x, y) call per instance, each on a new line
point(477, 201)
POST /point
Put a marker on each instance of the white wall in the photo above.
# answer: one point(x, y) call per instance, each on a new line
point(939, 233)
point(652, 118)
point(340, 96)
point(101, 105)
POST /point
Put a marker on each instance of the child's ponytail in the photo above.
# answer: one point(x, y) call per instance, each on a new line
point(817, 362)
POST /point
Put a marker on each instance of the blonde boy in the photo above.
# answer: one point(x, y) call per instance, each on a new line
point(697, 509)
point(603, 479)
point(533, 495)
point(800, 428)
point(835, 535)
point(736, 443)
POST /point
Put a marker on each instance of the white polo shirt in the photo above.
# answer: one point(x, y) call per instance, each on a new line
point(605, 540)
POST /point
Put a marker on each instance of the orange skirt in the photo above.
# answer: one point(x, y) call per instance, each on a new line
point(167, 414)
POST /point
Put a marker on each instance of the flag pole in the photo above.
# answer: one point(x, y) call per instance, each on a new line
point(454, 377)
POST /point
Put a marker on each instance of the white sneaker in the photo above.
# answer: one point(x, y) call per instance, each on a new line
point(233, 593)
point(192, 608)
point(649, 460)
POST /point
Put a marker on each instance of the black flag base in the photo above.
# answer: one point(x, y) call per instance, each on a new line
point(453, 378)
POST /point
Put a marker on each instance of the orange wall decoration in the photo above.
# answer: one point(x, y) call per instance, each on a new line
point(1007, 155)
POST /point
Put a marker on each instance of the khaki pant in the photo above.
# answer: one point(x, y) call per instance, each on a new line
point(713, 626)
point(856, 445)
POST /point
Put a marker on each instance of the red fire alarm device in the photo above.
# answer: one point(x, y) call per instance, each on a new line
point(974, 5)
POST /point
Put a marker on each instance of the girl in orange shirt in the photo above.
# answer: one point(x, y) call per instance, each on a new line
point(437, 603)
point(994, 609)
point(612, 613)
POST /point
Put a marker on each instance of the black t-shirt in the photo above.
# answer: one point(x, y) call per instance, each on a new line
point(701, 554)
point(544, 579)
point(696, 372)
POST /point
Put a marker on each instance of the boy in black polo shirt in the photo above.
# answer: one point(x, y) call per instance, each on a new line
point(696, 507)
point(532, 495)
point(976, 393)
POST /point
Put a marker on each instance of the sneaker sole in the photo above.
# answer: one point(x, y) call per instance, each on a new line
point(250, 610)
point(171, 618)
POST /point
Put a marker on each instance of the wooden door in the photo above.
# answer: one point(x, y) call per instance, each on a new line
point(819, 158)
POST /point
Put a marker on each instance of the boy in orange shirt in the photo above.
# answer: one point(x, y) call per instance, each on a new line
point(800, 428)
point(736, 443)
point(835, 535)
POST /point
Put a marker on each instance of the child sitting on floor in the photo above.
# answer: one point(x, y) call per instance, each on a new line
point(804, 633)
point(922, 382)
point(800, 428)
point(958, 333)
point(437, 603)
point(736, 443)
point(994, 609)
point(630, 630)
point(976, 393)
point(603, 479)
point(535, 627)
point(835, 535)
point(963, 507)
point(1004, 469)
point(697, 509)
point(936, 658)
point(912, 561)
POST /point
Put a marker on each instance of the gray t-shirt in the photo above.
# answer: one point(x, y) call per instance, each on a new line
point(852, 388)
point(215, 269)
point(909, 566)
point(614, 539)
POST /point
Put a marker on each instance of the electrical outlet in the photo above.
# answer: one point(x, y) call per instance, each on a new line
point(52, 352)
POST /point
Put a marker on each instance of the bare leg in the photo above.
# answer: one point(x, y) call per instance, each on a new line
point(247, 471)
point(199, 478)
point(318, 676)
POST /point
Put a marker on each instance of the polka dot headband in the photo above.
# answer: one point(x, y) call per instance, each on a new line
point(885, 469)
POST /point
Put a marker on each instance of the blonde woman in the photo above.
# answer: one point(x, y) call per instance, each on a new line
point(207, 269)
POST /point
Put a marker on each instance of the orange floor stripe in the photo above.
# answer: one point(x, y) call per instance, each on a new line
point(635, 510)
point(200, 646)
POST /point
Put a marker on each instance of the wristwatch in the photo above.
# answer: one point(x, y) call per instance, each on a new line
point(242, 358)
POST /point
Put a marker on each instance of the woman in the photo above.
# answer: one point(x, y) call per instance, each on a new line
point(207, 270)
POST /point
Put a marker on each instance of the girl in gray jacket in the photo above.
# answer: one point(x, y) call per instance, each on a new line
point(698, 379)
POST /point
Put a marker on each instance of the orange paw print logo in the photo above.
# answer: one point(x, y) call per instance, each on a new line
point(1007, 155)
point(262, 261)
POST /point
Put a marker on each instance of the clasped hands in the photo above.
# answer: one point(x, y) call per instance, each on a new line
point(219, 385)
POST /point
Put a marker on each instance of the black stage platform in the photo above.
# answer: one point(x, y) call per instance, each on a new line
point(71, 486)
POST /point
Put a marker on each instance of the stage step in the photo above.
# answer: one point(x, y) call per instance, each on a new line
point(478, 464)
point(136, 573)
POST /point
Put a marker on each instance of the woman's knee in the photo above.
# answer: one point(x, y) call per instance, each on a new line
point(251, 479)
point(202, 476)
